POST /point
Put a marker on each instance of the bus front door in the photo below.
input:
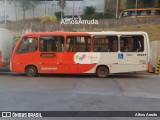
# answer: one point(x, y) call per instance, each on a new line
point(49, 62)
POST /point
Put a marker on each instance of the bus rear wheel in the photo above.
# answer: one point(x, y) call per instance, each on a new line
point(102, 72)
point(31, 71)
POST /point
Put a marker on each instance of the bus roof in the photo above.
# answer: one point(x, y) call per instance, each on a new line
point(141, 9)
point(118, 33)
point(57, 33)
point(84, 33)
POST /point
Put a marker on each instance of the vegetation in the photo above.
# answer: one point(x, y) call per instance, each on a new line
point(16, 38)
point(58, 14)
point(25, 5)
point(47, 18)
point(89, 10)
point(28, 4)
point(62, 4)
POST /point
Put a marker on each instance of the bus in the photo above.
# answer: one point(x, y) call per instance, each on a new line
point(100, 53)
point(140, 13)
point(6, 38)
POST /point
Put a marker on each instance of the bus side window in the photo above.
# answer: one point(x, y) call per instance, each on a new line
point(78, 44)
point(158, 12)
point(28, 44)
point(52, 44)
point(132, 43)
point(105, 44)
point(138, 43)
point(71, 44)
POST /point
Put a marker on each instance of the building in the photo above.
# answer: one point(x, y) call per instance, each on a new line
point(49, 7)
point(76, 7)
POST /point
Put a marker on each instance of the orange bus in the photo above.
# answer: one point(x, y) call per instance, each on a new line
point(140, 13)
point(100, 53)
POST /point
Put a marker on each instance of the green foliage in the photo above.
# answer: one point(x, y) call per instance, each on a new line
point(16, 38)
point(47, 18)
point(27, 4)
point(89, 10)
point(62, 4)
point(58, 14)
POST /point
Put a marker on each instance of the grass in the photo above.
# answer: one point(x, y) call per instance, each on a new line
point(153, 30)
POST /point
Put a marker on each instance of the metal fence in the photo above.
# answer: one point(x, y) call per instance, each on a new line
point(103, 24)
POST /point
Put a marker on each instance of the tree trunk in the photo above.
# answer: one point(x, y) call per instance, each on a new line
point(15, 8)
point(105, 8)
point(33, 12)
point(24, 14)
point(16, 13)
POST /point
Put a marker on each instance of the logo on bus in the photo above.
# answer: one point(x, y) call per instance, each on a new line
point(86, 58)
point(120, 56)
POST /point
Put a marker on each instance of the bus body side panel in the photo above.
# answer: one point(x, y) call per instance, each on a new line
point(48, 64)
point(82, 62)
point(67, 63)
point(120, 62)
point(20, 61)
point(86, 61)
point(6, 38)
point(76, 62)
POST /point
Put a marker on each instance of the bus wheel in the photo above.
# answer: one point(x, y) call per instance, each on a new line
point(102, 72)
point(31, 71)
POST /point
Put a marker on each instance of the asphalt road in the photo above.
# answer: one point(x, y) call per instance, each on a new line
point(127, 92)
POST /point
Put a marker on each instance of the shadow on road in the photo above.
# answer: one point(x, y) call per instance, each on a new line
point(119, 75)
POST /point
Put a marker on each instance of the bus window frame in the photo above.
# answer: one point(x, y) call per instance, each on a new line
point(21, 40)
point(52, 36)
point(118, 49)
point(90, 44)
point(133, 44)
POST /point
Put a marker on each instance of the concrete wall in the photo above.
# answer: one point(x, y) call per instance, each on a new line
point(155, 52)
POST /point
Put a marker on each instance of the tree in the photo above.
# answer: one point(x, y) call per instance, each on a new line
point(33, 5)
point(105, 7)
point(28, 4)
point(62, 4)
point(89, 10)
point(15, 2)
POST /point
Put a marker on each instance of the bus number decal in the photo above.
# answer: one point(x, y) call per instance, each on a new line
point(47, 55)
point(86, 58)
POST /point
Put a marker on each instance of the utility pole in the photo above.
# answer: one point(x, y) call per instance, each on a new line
point(73, 6)
point(136, 6)
point(117, 8)
point(5, 21)
point(45, 8)
point(54, 3)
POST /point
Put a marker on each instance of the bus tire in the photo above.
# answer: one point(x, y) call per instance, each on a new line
point(102, 72)
point(31, 71)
